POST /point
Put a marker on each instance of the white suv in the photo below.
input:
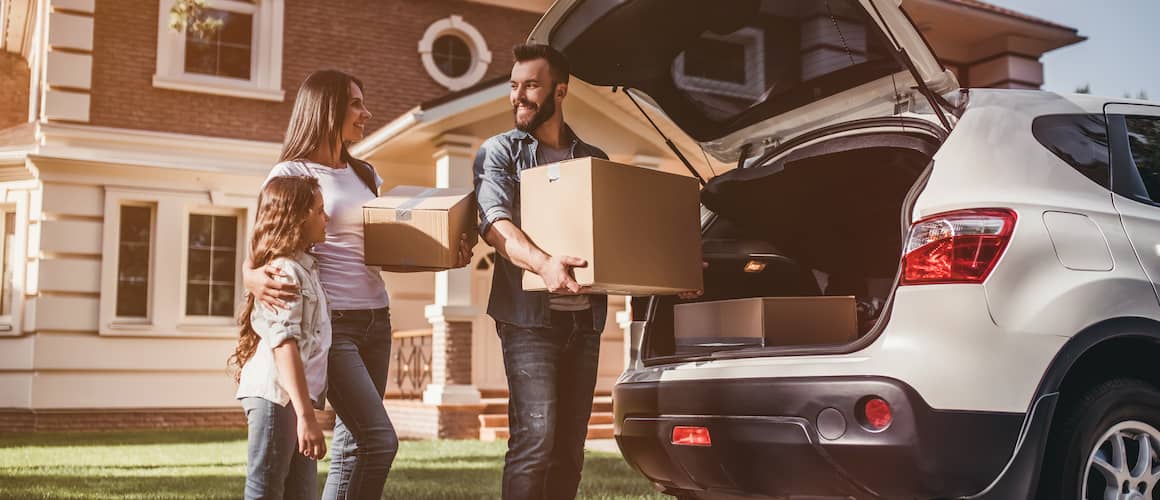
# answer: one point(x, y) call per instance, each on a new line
point(1003, 248)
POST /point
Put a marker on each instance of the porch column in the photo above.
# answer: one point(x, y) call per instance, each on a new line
point(450, 356)
point(452, 313)
point(1007, 71)
point(624, 321)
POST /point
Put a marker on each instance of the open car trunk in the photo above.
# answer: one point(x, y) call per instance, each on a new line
point(826, 220)
point(738, 75)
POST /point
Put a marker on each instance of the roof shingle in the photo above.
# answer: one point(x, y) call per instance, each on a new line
point(995, 9)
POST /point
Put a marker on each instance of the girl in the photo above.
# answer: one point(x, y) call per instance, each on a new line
point(282, 353)
point(329, 114)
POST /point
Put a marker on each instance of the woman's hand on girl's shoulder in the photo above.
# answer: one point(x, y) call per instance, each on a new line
point(267, 289)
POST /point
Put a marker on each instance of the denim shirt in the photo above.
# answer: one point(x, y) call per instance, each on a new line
point(497, 168)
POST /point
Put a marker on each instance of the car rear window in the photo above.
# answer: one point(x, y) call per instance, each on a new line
point(1080, 140)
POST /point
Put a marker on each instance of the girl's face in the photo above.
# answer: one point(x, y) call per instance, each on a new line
point(314, 227)
point(357, 116)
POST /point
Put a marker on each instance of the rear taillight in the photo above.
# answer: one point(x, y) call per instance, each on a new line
point(874, 413)
point(691, 436)
point(956, 247)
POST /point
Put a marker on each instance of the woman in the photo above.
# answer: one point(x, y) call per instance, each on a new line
point(329, 113)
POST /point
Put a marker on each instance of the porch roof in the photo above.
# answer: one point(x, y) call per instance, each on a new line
point(967, 31)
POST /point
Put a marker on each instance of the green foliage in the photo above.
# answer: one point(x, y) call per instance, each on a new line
point(1139, 95)
point(190, 16)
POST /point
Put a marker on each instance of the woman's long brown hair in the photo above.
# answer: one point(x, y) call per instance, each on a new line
point(319, 112)
point(283, 205)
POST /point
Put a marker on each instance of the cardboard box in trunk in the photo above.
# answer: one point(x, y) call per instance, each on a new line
point(766, 321)
point(638, 228)
point(412, 228)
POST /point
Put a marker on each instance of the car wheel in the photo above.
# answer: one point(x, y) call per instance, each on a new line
point(1106, 446)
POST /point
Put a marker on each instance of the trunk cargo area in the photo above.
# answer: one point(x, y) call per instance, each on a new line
point(824, 221)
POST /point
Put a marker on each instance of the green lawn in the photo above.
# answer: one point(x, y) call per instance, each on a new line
point(205, 464)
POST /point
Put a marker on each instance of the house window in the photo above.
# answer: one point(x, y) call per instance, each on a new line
point(133, 258)
point(170, 262)
point(241, 59)
point(212, 265)
point(226, 52)
point(454, 53)
point(7, 278)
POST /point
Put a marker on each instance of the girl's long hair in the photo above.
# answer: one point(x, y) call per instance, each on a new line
point(283, 205)
point(319, 112)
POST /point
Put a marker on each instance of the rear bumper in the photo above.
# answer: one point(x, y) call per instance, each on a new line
point(766, 440)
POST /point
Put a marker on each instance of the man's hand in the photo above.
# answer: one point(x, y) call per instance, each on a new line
point(557, 274)
point(311, 443)
point(511, 242)
point(465, 252)
point(265, 289)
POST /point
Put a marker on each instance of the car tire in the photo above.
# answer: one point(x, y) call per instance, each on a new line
point(1098, 441)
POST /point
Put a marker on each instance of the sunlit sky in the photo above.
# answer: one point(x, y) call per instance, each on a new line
point(1122, 51)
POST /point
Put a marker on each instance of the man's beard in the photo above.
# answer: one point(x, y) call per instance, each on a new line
point(543, 112)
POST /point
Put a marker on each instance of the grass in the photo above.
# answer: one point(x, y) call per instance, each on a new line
point(210, 464)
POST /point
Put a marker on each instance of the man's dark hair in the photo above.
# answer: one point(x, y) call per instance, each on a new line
point(557, 62)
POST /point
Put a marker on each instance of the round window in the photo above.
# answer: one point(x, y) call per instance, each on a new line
point(452, 55)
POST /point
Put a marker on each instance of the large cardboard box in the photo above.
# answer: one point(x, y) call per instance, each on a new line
point(413, 228)
point(638, 228)
point(765, 321)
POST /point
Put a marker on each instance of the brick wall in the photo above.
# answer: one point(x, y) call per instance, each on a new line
point(376, 40)
point(412, 419)
point(137, 418)
point(14, 79)
point(416, 420)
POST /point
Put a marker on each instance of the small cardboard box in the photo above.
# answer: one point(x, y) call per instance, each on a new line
point(412, 228)
point(765, 321)
point(638, 228)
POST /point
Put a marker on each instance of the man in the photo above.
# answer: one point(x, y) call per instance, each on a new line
point(550, 340)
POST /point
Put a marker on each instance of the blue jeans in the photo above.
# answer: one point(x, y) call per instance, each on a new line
point(551, 375)
point(364, 442)
point(274, 468)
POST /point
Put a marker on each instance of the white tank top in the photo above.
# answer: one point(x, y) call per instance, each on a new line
point(349, 283)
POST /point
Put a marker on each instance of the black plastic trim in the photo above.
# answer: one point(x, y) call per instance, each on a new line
point(1085, 340)
point(1021, 477)
point(924, 453)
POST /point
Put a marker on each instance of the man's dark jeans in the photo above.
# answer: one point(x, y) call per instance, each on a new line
point(551, 375)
